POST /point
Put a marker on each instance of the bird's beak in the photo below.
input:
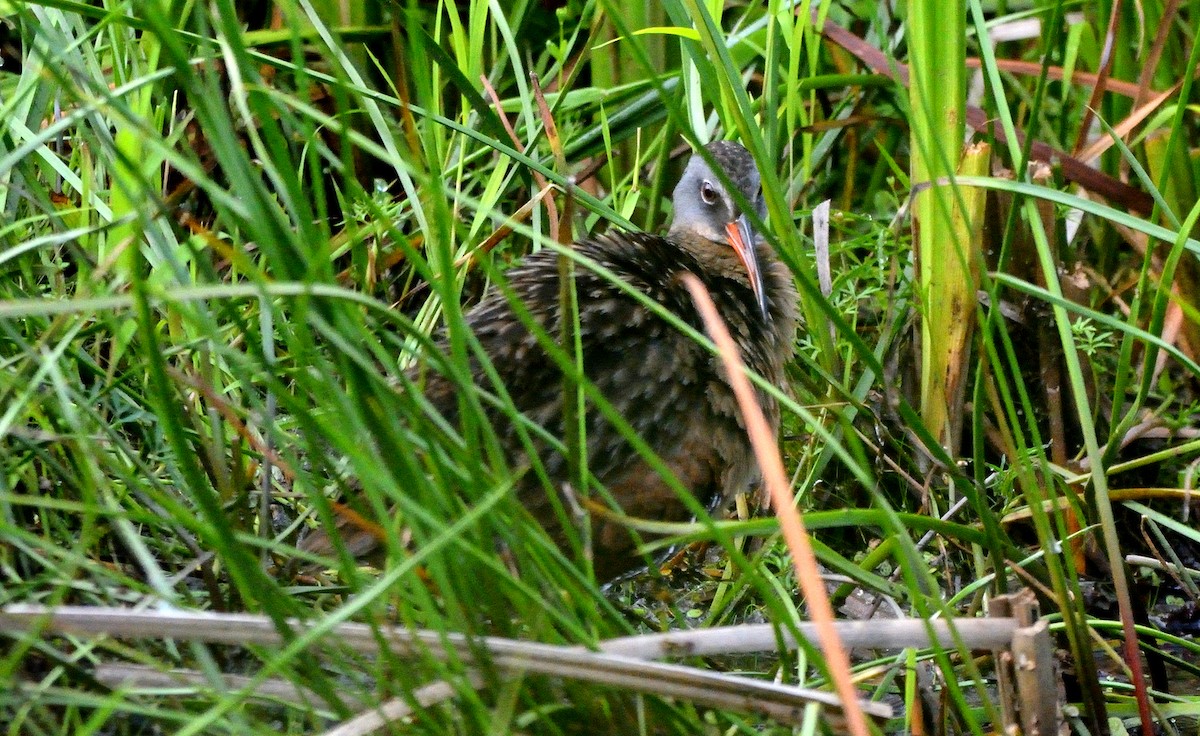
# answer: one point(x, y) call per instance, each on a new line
point(741, 238)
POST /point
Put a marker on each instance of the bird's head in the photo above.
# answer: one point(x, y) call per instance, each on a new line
point(705, 209)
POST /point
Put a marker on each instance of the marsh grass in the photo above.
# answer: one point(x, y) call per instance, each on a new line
point(229, 232)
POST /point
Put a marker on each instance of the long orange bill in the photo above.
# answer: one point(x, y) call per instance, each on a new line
point(741, 238)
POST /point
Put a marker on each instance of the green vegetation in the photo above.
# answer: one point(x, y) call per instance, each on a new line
point(229, 230)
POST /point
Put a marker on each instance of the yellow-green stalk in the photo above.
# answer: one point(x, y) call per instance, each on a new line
point(949, 274)
point(937, 72)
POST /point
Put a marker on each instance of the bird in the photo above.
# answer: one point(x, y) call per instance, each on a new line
point(671, 390)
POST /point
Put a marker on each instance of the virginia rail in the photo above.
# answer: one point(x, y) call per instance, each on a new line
point(671, 391)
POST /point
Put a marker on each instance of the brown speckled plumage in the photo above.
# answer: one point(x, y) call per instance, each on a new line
point(669, 389)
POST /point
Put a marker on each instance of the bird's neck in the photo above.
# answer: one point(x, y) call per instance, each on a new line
point(764, 343)
point(717, 256)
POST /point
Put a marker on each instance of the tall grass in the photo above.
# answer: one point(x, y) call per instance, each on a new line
point(229, 234)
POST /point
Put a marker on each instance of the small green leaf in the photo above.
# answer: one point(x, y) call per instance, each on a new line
point(688, 33)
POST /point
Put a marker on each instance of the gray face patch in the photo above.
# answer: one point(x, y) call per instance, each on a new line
point(703, 204)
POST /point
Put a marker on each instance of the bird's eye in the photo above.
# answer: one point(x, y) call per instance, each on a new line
point(708, 193)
